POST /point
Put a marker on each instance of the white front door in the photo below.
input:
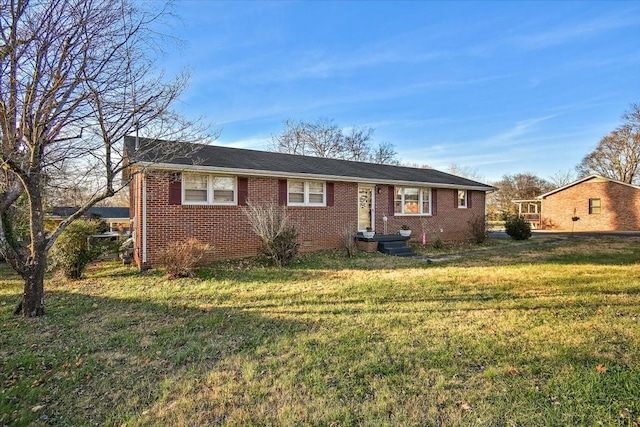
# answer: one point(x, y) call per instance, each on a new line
point(366, 208)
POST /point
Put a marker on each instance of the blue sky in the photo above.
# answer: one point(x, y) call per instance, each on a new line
point(499, 87)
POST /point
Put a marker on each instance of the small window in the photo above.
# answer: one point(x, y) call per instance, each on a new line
point(223, 189)
point(462, 198)
point(306, 193)
point(595, 206)
point(412, 201)
point(203, 189)
point(316, 193)
point(195, 188)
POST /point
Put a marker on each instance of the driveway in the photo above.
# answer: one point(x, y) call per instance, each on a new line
point(551, 233)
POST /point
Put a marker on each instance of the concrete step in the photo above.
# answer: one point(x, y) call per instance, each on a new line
point(398, 251)
point(385, 245)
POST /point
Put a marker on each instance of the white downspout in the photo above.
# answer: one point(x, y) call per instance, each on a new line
point(144, 219)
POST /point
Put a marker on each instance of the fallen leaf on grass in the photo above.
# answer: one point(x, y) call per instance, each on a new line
point(38, 383)
point(601, 368)
point(513, 371)
point(464, 406)
point(37, 408)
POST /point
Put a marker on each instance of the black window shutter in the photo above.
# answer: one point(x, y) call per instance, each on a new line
point(434, 202)
point(330, 196)
point(392, 200)
point(282, 192)
point(243, 191)
point(175, 189)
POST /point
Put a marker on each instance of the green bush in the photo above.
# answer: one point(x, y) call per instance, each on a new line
point(517, 228)
point(73, 251)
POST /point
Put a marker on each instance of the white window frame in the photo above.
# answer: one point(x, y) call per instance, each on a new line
point(466, 199)
point(421, 191)
point(210, 190)
point(306, 201)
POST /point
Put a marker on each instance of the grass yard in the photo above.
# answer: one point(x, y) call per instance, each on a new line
point(512, 334)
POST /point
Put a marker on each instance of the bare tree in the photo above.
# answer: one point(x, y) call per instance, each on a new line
point(562, 178)
point(75, 77)
point(356, 144)
point(384, 153)
point(292, 140)
point(465, 171)
point(323, 138)
point(617, 155)
point(521, 186)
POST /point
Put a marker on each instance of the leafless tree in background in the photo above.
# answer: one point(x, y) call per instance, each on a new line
point(562, 178)
point(520, 186)
point(617, 155)
point(323, 138)
point(465, 172)
point(76, 76)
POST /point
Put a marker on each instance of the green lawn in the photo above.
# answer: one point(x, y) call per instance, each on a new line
point(530, 333)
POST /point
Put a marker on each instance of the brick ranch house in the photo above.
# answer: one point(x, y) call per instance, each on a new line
point(602, 204)
point(200, 193)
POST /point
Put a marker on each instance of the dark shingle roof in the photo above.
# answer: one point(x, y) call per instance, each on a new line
point(100, 211)
point(278, 163)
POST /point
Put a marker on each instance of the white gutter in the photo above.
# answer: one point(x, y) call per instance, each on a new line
point(277, 174)
point(144, 218)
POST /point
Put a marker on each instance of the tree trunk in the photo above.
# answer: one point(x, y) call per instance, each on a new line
point(32, 303)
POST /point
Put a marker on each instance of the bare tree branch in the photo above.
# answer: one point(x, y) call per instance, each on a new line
point(76, 76)
point(617, 155)
point(323, 138)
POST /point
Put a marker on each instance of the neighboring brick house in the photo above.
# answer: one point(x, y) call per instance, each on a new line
point(602, 204)
point(200, 194)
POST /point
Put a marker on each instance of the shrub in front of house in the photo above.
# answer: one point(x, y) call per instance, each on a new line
point(282, 248)
point(278, 236)
point(517, 228)
point(180, 259)
point(348, 239)
point(73, 250)
point(477, 229)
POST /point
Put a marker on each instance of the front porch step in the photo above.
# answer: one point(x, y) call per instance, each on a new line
point(390, 244)
point(396, 248)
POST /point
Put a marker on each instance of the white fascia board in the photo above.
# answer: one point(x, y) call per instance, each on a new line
point(277, 174)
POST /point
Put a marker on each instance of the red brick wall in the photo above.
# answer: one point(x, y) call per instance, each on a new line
point(620, 209)
point(227, 229)
point(449, 223)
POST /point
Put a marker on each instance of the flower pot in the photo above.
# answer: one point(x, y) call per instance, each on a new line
point(368, 234)
point(405, 233)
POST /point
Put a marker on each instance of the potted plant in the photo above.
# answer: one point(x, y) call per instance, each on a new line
point(369, 233)
point(405, 231)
